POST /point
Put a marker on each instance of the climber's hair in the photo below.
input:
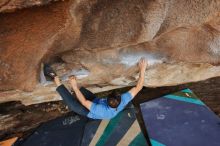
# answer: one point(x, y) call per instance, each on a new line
point(114, 99)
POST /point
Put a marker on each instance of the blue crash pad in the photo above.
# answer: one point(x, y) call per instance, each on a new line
point(74, 130)
point(180, 119)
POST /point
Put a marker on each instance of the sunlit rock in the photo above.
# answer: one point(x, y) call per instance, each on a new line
point(101, 42)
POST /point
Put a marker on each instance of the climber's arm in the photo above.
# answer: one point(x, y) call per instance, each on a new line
point(82, 99)
point(86, 103)
point(142, 67)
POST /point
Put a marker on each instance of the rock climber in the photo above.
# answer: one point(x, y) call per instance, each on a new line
point(85, 103)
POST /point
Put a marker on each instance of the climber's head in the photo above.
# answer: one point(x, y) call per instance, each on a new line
point(114, 99)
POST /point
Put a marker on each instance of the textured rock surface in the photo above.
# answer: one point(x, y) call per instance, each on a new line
point(12, 5)
point(101, 41)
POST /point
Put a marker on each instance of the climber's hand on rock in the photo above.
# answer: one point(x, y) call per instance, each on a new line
point(72, 80)
point(142, 64)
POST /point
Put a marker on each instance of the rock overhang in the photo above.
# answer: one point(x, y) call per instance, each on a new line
point(102, 49)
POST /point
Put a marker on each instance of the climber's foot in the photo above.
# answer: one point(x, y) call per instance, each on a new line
point(49, 72)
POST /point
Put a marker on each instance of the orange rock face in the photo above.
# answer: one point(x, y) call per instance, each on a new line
point(25, 37)
point(101, 41)
point(12, 5)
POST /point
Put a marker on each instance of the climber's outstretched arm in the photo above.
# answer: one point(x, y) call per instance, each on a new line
point(142, 67)
point(86, 103)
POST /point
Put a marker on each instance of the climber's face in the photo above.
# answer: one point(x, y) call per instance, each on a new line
point(114, 99)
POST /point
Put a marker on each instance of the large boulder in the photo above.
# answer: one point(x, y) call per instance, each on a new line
point(101, 42)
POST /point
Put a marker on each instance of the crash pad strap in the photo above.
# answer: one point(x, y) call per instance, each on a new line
point(99, 132)
point(109, 129)
point(130, 135)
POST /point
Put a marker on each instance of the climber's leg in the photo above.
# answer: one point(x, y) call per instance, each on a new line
point(71, 101)
point(68, 98)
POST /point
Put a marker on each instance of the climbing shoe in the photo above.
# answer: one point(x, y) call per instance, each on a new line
point(49, 72)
